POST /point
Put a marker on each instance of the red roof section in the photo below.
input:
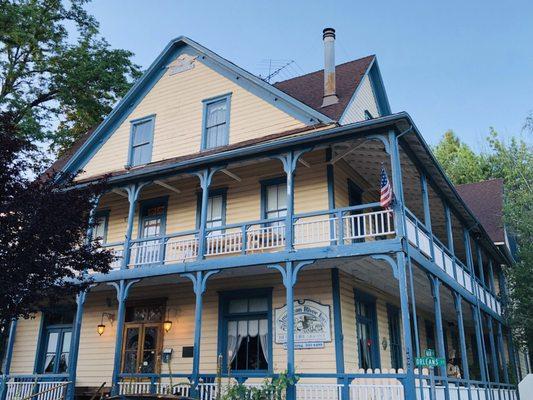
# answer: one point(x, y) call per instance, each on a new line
point(309, 88)
point(485, 200)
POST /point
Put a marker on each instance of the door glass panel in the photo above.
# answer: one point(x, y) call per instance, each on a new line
point(65, 351)
point(131, 348)
point(149, 351)
point(50, 358)
point(215, 206)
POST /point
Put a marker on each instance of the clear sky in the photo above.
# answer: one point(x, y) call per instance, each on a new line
point(462, 65)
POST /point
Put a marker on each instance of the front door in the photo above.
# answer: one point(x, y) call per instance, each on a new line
point(143, 338)
point(142, 348)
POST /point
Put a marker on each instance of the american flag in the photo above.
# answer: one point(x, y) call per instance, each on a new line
point(387, 196)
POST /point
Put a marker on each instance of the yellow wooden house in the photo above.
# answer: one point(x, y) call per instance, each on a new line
point(251, 235)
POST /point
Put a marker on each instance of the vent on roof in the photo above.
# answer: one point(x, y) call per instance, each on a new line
point(330, 91)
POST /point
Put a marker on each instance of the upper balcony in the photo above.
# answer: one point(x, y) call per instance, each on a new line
point(342, 226)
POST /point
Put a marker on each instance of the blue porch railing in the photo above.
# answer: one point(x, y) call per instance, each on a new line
point(432, 248)
point(383, 385)
point(52, 386)
point(342, 226)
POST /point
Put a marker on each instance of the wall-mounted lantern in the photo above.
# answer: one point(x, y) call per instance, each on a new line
point(101, 327)
point(167, 325)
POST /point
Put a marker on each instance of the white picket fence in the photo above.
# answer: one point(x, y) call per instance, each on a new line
point(52, 390)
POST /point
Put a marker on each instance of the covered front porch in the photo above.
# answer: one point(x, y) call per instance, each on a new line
point(165, 335)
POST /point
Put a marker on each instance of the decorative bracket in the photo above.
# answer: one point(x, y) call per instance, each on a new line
point(199, 280)
point(289, 274)
point(123, 288)
point(290, 159)
point(134, 190)
point(390, 261)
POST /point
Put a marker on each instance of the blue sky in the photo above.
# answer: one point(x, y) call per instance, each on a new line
point(461, 65)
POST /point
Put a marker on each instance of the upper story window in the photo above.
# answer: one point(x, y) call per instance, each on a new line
point(216, 122)
point(141, 142)
point(274, 198)
point(100, 227)
point(216, 209)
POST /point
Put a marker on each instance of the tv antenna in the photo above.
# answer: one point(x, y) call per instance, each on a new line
point(285, 69)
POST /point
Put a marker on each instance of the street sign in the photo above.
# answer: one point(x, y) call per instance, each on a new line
point(430, 360)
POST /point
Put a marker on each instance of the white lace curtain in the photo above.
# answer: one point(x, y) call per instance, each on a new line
point(239, 330)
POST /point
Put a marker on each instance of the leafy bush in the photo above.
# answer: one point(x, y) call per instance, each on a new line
point(270, 389)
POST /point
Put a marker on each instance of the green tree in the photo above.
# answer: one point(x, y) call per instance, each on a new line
point(459, 161)
point(54, 86)
point(511, 161)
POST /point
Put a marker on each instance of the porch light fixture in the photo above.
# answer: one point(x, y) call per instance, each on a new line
point(167, 325)
point(101, 327)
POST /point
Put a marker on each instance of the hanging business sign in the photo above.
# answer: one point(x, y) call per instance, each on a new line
point(312, 324)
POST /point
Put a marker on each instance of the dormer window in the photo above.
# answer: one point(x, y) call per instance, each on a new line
point(216, 122)
point(141, 141)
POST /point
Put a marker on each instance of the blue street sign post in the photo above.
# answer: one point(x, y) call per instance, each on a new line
point(430, 361)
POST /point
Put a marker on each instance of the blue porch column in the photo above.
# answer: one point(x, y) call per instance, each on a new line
point(401, 263)
point(493, 354)
point(502, 352)
point(409, 384)
point(133, 192)
point(289, 161)
point(289, 275)
point(339, 336)
point(480, 264)
point(75, 345)
point(449, 230)
point(427, 212)
point(122, 287)
point(8, 357)
point(458, 302)
point(199, 283)
point(479, 343)
point(205, 176)
point(435, 290)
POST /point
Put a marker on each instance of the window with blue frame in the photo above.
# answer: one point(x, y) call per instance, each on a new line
point(141, 142)
point(152, 224)
point(55, 340)
point(245, 336)
point(216, 122)
point(216, 209)
point(101, 221)
point(367, 331)
point(274, 199)
point(395, 336)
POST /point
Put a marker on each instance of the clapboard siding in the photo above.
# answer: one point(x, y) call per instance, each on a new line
point(342, 173)
point(177, 102)
point(25, 345)
point(364, 100)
